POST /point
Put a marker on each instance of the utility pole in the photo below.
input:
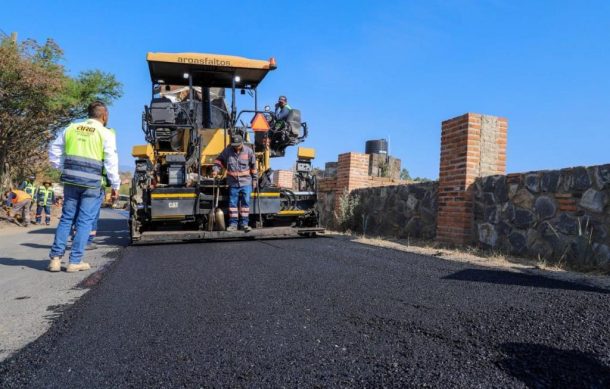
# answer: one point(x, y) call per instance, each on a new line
point(14, 37)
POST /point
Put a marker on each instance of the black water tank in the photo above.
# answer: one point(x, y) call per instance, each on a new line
point(377, 146)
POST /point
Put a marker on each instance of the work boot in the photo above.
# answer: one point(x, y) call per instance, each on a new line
point(54, 264)
point(91, 246)
point(231, 228)
point(74, 267)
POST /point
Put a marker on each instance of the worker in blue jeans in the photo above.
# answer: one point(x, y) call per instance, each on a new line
point(239, 161)
point(90, 243)
point(81, 152)
point(90, 240)
point(105, 183)
point(80, 204)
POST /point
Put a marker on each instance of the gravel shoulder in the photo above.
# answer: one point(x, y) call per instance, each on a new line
point(31, 297)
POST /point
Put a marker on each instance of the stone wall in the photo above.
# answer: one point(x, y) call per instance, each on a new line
point(349, 173)
point(326, 209)
point(401, 211)
point(561, 216)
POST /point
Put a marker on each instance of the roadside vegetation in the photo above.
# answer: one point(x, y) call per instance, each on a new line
point(39, 97)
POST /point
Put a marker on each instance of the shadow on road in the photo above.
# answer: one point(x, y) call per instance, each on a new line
point(511, 278)
point(37, 245)
point(40, 264)
point(539, 366)
point(113, 232)
point(42, 231)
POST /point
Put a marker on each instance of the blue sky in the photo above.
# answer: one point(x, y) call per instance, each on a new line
point(368, 70)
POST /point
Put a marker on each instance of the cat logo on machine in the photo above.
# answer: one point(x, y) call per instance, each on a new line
point(172, 204)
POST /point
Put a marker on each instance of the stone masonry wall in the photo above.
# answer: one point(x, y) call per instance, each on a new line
point(326, 208)
point(401, 211)
point(561, 216)
point(352, 172)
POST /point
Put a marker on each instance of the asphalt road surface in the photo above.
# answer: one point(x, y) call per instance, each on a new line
point(318, 312)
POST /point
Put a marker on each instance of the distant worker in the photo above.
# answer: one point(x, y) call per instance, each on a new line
point(44, 201)
point(28, 186)
point(21, 202)
point(81, 152)
point(282, 109)
point(240, 163)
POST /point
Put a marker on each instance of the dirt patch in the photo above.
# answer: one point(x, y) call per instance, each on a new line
point(5, 221)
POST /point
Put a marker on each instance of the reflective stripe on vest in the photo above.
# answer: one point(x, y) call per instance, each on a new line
point(84, 154)
point(44, 195)
point(29, 189)
point(242, 173)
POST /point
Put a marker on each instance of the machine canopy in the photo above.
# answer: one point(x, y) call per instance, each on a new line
point(208, 70)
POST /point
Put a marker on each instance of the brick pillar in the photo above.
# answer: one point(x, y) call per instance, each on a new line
point(352, 173)
point(472, 146)
point(283, 179)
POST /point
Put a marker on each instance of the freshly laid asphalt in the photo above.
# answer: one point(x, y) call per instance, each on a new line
point(318, 312)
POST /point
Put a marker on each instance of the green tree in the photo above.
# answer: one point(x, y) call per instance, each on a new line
point(404, 175)
point(37, 99)
point(421, 179)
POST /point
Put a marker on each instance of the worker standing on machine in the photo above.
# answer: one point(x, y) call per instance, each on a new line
point(240, 163)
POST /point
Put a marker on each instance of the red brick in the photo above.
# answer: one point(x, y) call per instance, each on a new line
point(459, 168)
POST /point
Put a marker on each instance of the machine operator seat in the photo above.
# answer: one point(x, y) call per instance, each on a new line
point(163, 116)
point(162, 111)
point(293, 123)
point(286, 133)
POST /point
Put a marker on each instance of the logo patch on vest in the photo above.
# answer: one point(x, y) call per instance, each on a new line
point(85, 129)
